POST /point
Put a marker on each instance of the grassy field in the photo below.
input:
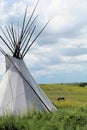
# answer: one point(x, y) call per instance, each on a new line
point(71, 115)
point(64, 119)
point(75, 96)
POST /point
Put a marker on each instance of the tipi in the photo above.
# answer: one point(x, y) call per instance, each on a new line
point(18, 90)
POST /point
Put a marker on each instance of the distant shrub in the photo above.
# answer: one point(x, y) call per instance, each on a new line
point(82, 85)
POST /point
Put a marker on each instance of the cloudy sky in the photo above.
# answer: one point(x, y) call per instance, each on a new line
point(60, 53)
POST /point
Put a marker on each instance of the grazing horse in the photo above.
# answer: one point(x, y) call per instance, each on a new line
point(61, 99)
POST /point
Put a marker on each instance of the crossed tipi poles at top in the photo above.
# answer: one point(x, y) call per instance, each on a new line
point(19, 44)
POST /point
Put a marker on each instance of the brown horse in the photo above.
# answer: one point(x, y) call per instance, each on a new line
point(61, 99)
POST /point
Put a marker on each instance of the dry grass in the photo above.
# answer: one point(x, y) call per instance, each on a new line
point(74, 95)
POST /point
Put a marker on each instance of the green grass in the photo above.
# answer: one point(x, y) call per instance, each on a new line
point(74, 95)
point(71, 115)
point(64, 119)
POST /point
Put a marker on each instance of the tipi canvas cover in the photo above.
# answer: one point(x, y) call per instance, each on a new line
point(18, 90)
point(19, 94)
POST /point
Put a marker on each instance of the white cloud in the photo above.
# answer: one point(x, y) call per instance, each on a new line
point(15, 9)
point(62, 46)
point(3, 16)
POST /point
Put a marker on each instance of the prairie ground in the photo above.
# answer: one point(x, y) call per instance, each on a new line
point(71, 114)
point(75, 95)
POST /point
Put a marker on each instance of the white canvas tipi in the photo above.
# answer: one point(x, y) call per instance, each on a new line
point(18, 90)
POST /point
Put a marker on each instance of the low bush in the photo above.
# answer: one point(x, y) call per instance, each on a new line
point(63, 119)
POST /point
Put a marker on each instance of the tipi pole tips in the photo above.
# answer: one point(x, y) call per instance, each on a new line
point(6, 44)
point(19, 42)
point(2, 51)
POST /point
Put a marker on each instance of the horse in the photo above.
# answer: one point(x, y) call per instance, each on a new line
point(61, 99)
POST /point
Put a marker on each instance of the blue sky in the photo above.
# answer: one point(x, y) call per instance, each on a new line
point(60, 53)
